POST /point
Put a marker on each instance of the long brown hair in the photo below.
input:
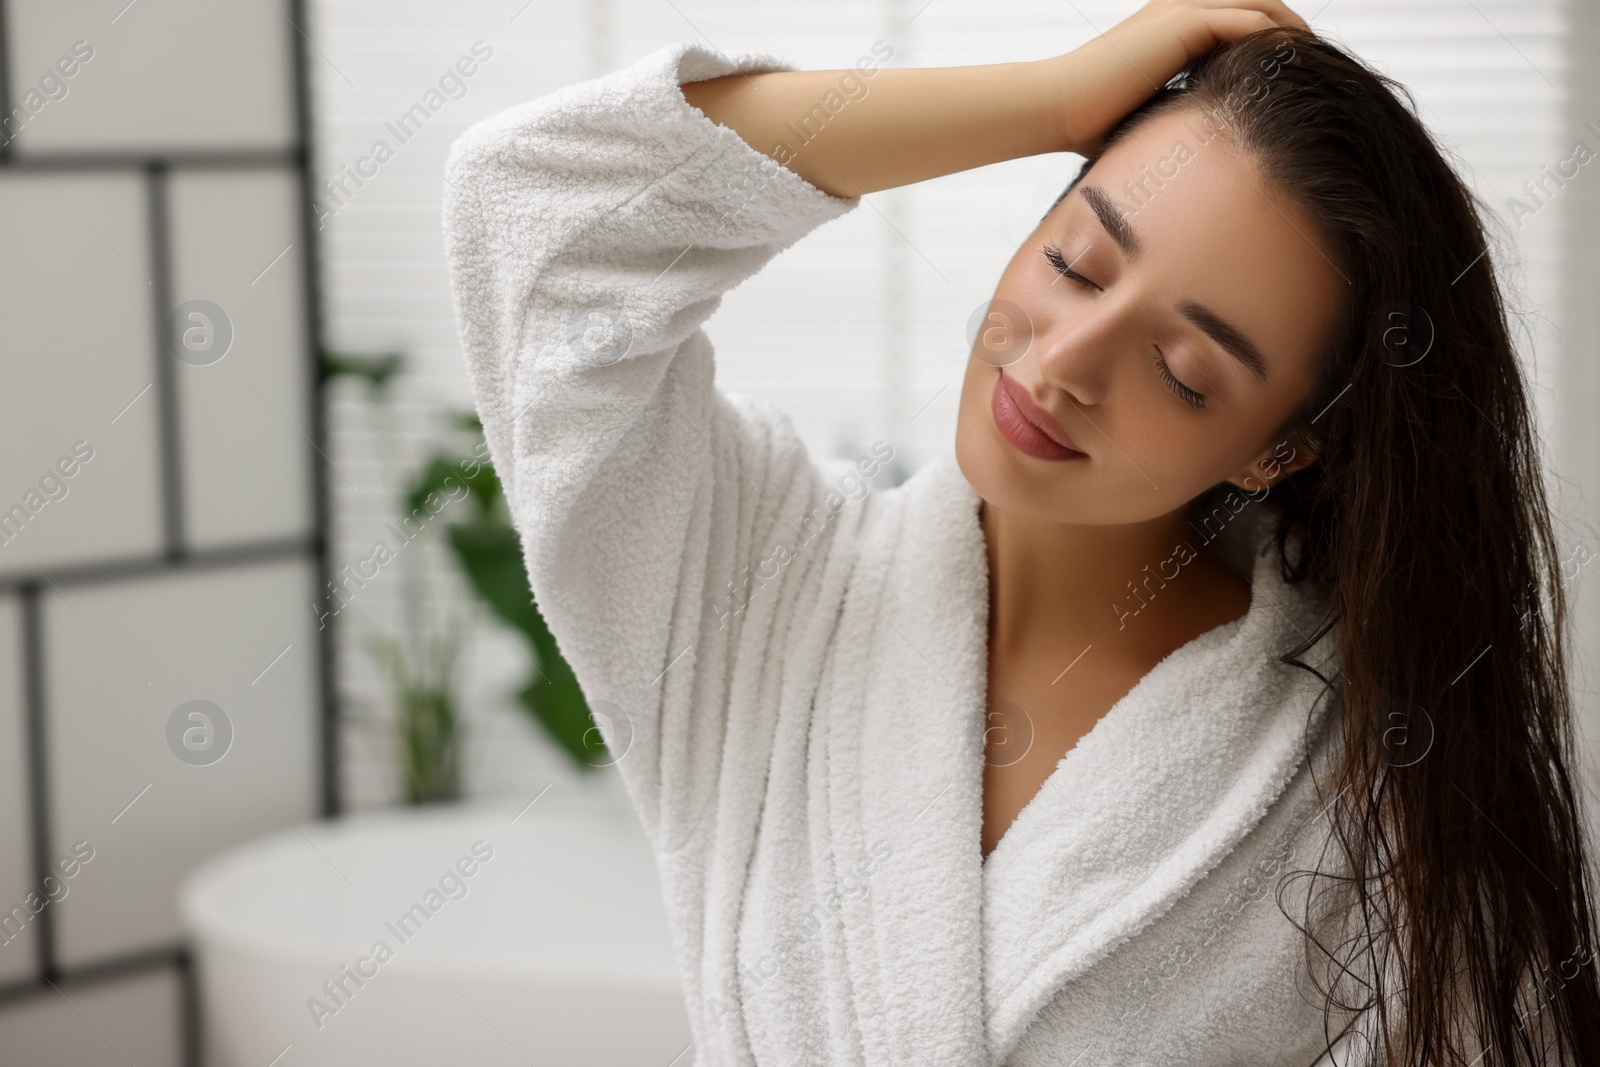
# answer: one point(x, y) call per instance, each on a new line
point(1457, 918)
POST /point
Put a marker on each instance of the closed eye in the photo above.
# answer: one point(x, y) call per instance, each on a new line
point(1063, 268)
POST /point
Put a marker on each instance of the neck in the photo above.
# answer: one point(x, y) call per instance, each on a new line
point(1132, 585)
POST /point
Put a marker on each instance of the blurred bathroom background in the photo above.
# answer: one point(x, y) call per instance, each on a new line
point(242, 633)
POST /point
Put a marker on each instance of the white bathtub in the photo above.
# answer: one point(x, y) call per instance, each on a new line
point(554, 950)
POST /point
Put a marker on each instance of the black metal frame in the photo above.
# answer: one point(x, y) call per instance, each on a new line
point(154, 170)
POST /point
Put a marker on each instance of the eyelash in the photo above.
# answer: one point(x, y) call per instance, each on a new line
point(1195, 400)
point(1185, 394)
point(1053, 254)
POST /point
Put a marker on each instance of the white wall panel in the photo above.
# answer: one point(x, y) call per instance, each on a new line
point(163, 75)
point(75, 297)
point(148, 156)
point(103, 1024)
point(120, 659)
point(245, 417)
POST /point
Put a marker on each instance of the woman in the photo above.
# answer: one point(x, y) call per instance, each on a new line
point(1204, 705)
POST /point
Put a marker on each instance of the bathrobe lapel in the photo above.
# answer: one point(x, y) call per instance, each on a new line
point(950, 958)
point(903, 756)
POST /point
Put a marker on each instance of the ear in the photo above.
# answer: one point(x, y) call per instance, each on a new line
point(1281, 459)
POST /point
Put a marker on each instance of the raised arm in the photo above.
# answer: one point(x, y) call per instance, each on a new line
point(906, 125)
point(590, 232)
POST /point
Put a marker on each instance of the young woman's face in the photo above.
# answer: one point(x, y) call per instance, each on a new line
point(1186, 257)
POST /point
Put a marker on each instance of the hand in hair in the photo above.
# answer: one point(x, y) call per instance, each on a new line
point(1118, 70)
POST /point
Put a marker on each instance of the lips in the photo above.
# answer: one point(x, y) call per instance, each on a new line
point(1030, 429)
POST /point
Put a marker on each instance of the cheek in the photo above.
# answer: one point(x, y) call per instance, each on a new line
point(1194, 453)
point(1169, 440)
point(1164, 456)
point(1186, 456)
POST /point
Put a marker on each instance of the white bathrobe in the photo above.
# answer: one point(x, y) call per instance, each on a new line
point(788, 657)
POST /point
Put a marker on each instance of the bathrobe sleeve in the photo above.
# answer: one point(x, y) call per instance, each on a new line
point(590, 233)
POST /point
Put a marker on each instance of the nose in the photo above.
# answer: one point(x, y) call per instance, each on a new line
point(1078, 347)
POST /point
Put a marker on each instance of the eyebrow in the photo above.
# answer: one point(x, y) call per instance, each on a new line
point(1111, 219)
point(1228, 336)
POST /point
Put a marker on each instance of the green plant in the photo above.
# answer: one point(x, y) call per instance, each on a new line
point(420, 661)
point(427, 724)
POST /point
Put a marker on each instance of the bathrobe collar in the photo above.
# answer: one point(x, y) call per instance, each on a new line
point(950, 958)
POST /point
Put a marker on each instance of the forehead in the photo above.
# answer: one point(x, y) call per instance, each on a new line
point(1210, 228)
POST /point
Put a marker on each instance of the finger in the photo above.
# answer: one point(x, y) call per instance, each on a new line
point(1280, 13)
point(1229, 24)
point(1284, 15)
